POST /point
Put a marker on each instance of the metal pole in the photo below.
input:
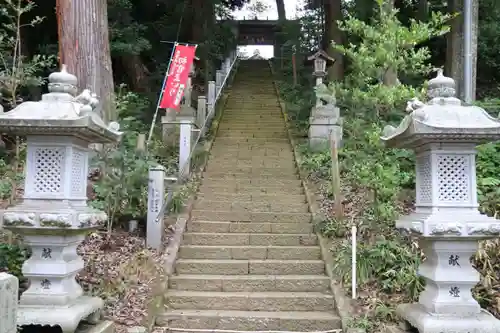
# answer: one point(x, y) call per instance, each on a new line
point(468, 51)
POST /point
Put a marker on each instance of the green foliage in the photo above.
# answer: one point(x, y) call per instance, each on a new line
point(385, 46)
point(374, 178)
point(122, 188)
point(378, 183)
point(9, 180)
point(17, 70)
point(488, 168)
point(390, 264)
point(127, 36)
point(488, 48)
point(12, 258)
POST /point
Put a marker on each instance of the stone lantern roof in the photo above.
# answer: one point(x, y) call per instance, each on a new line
point(442, 119)
point(321, 54)
point(61, 113)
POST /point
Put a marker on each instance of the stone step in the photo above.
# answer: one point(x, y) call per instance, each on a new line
point(249, 252)
point(249, 130)
point(250, 206)
point(244, 267)
point(244, 148)
point(233, 155)
point(247, 108)
point(240, 116)
point(267, 146)
point(249, 301)
point(261, 106)
point(252, 133)
point(255, 135)
point(262, 125)
point(224, 215)
point(302, 321)
point(257, 182)
point(252, 190)
point(252, 141)
point(223, 176)
point(262, 239)
point(287, 198)
point(254, 159)
point(259, 121)
point(318, 283)
point(263, 163)
point(265, 151)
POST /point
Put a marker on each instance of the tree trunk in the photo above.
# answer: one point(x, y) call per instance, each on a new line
point(423, 10)
point(280, 4)
point(333, 14)
point(390, 77)
point(137, 73)
point(84, 48)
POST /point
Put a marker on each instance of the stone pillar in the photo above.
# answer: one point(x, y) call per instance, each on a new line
point(455, 55)
point(201, 113)
point(156, 190)
point(9, 290)
point(443, 134)
point(325, 123)
point(219, 80)
point(168, 126)
point(211, 100)
point(227, 65)
point(185, 136)
point(54, 217)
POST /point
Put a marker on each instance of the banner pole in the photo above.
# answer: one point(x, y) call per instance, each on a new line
point(161, 95)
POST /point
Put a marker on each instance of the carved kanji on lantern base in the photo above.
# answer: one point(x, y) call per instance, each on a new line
point(53, 217)
point(444, 135)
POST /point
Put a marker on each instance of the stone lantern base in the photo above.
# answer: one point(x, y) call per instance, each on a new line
point(53, 232)
point(416, 316)
point(324, 124)
point(83, 308)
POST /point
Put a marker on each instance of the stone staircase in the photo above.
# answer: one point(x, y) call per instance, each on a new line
point(249, 259)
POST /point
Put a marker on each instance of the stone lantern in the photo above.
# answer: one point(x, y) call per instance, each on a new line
point(325, 123)
point(53, 217)
point(320, 60)
point(444, 133)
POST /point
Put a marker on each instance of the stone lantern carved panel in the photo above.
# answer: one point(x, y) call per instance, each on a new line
point(54, 217)
point(453, 178)
point(48, 169)
point(444, 134)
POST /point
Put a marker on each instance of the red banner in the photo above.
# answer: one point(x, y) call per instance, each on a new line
point(177, 76)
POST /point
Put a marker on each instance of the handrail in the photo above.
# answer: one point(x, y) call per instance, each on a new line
point(170, 194)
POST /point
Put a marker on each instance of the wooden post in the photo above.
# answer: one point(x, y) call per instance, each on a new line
point(339, 211)
point(294, 66)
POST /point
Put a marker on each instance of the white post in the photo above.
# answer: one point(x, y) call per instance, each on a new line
point(9, 289)
point(211, 98)
point(219, 79)
point(201, 113)
point(354, 244)
point(184, 148)
point(156, 191)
